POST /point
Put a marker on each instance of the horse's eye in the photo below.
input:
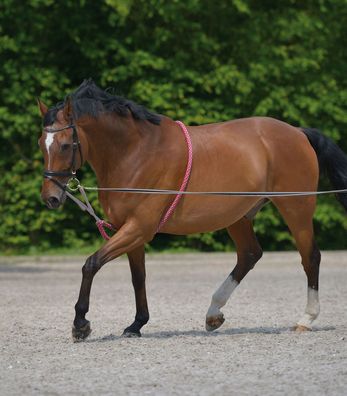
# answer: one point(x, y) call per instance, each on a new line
point(65, 147)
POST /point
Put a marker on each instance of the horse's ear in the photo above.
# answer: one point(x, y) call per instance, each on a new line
point(42, 107)
point(67, 111)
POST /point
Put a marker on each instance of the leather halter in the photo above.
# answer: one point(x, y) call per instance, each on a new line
point(76, 146)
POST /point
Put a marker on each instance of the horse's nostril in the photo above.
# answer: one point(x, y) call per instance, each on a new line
point(53, 202)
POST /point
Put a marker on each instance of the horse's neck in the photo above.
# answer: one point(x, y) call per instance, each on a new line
point(117, 156)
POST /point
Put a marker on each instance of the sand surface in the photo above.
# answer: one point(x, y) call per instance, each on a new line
point(253, 353)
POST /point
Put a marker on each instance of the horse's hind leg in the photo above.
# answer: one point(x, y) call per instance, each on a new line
point(298, 213)
point(248, 253)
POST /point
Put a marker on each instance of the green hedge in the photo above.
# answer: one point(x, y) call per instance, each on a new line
point(194, 60)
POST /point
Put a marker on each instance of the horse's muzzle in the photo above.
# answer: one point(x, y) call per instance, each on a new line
point(54, 201)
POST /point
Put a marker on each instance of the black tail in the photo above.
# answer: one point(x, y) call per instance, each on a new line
point(332, 160)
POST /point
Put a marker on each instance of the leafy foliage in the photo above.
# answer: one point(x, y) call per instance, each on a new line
point(197, 60)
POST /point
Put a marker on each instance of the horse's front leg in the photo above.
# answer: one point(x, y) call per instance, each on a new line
point(138, 273)
point(128, 238)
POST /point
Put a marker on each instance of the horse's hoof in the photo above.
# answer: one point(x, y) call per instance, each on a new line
point(213, 322)
point(131, 334)
point(82, 333)
point(301, 328)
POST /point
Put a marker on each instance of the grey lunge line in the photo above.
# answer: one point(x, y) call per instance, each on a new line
point(86, 206)
point(221, 193)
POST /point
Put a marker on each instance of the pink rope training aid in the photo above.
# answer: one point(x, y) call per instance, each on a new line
point(175, 202)
point(102, 224)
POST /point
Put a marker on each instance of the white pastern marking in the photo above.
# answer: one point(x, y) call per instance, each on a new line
point(221, 296)
point(48, 142)
point(312, 308)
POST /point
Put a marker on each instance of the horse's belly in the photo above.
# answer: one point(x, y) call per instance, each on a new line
point(208, 214)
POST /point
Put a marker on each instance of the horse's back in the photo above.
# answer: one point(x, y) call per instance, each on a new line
point(260, 148)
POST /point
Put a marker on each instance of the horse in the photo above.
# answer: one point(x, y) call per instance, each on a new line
point(129, 146)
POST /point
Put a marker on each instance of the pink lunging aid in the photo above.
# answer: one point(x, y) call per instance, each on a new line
point(175, 202)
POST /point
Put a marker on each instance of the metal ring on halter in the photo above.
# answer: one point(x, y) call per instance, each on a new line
point(73, 184)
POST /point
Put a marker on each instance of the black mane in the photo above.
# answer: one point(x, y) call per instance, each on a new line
point(89, 99)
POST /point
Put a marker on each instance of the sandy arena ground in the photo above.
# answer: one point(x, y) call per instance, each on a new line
point(253, 353)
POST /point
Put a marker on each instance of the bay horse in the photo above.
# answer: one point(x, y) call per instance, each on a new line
point(129, 146)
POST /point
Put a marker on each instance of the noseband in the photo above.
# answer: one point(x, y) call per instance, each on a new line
point(76, 146)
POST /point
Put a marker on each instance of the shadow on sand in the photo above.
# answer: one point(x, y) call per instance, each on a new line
point(203, 333)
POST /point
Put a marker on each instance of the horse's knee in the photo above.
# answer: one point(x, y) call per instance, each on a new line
point(250, 258)
point(255, 256)
point(245, 262)
point(91, 266)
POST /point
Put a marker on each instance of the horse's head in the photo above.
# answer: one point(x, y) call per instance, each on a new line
point(62, 151)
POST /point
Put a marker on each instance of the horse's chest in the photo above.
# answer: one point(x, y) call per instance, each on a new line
point(115, 211)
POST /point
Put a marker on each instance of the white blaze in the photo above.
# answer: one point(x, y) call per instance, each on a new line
point(48, 142)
